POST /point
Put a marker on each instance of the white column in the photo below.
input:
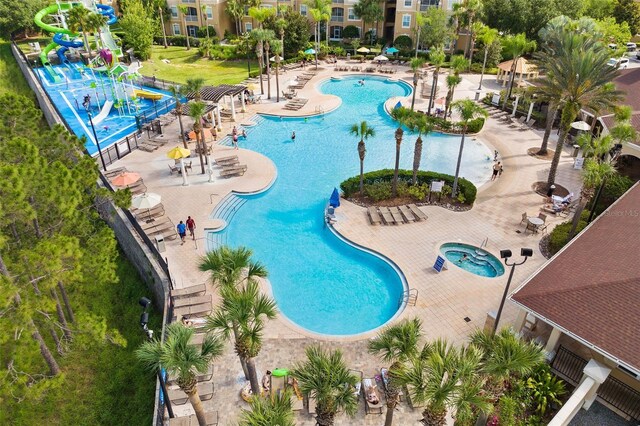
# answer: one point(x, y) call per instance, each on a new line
point(519, 322)
point(242, 102)
point(530, 110)
point(183, 170)
point(233, 109)
point(552, 342)
point(218, 119)
point(515, 106)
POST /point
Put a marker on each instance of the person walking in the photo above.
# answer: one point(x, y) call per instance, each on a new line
point(496, 170)
point(191, 226)
point(182, 231)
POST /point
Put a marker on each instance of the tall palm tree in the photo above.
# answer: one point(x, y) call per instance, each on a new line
point(370, 12)
point(515, 46)
point(277, 48)
point(232, 267)
point(472, 7)
point(245, 309)
point(269, 411)
point(416, 65)
point(94, 24)
point(78, 20)
point(468, 111)
point(178, 92)
point(401, 115)
point(422, 126)
point(436, 58)
point(182, 360)
point(183, 10)
point(396, 344)
point(320, 11)
point(196, 111)
point(458, 64)
point(487, 36)
point(364, 132)
point(577, 75)
point(258, 36)
point(325, 377)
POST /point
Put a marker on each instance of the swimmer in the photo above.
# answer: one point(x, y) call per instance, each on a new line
point(293, 136)
point(464, 257)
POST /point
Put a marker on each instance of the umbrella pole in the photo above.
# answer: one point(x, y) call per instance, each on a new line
point(209, 167)
point(185, 182)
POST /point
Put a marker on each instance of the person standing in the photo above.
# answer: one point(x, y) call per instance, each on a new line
point(235, 141)
point(496, 169)
point(182, 231)
point(495, 155)
point(191, 226)
point(500, 171)
point(293, 137)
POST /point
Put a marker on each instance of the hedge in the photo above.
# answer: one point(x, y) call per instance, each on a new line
point(352, 185)
point(559, 237)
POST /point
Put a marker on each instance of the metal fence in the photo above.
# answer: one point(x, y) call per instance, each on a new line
point(568, 365)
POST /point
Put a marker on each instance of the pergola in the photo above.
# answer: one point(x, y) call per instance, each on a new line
point(524, 70)
point(217, 93)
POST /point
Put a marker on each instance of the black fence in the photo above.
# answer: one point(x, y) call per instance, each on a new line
point(157, 83)
point(148, 115)
point(568, 365)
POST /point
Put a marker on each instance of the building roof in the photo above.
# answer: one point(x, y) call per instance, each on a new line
point(591, 288)
point(522, 66)
point(215, 93)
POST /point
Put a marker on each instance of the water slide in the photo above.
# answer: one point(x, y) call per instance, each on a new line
point(105, 33)
point(104, 112)
point(147, 95)
point(44, 55)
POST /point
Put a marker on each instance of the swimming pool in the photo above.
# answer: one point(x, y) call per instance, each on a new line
point(478, 261)
point(319, 282)
point(69, 95)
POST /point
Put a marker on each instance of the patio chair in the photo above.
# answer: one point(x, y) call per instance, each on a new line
point(188, 165)
point(371, 395)
point(374, 217)
point(397, 216)
point(524, 217)
point(387, 216)
point(189, 291)
point(408, 215)
point(419, 214)
point(542, 216)
point(190, 301)
point(358, 387)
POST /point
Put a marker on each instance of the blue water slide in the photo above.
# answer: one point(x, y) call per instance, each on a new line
point(59, 39)
point(60, 52)
point(108, 12)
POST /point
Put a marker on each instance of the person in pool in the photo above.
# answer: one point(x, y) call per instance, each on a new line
point(464, 257)
point(293, 136)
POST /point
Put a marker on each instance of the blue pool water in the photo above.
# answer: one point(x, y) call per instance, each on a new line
point(478, 262)
point(318, 281)
point(68, 96)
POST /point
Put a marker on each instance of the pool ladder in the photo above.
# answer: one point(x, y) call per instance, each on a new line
point(410, 297)
point(484, 242)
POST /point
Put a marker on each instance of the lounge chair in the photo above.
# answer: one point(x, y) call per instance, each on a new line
point(387, 216)
point(384, 373)
point(311, 405)
point(189, 301)
point(370, 387)
point(211, 417)
point(528, 125)
point(358, 387)
point(189, 291)
point(204, 377)
point(519, 122)
point(192, 311)
point(114, 172)
point(205, 390)
point(419, 214)
point(396, 215)
point(374, 217)
point(297, 399)
point(408, 215)
point(233, 171)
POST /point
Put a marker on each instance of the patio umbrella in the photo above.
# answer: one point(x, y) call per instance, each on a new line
point(334, 200)
point(398, 105)
point(581, 125)
point(148, 200)
point(380, 58)
point(392, 50)
point(309, 52)
point(125, 179)
point(179, 153)
point(273, 58)
point(363, 50)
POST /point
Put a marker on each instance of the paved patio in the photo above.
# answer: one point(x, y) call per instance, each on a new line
point(445, 299)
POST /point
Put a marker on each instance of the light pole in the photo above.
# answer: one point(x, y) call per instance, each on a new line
point(506, 254)
point(95, 136)
point(144, 320)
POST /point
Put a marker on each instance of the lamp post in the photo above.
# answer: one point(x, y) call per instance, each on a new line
point(506, 254)
point(144, 320)
point(95, 136)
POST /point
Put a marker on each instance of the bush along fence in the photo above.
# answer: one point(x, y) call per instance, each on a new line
point(378, 181)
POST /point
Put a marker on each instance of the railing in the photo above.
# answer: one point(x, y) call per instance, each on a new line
point(410, 297)
point(484, 242)
point(337, 18)
point(191, 18)
point(568, 365)
point(621, 397)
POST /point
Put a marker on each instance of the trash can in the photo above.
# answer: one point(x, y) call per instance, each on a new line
point(576, 148)
point(477, 95)
point(160, 243)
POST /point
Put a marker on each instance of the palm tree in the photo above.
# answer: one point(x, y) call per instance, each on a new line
point(77, 21)
point(468, 111)
point(244, 310)
point(184, 9)
point(95, 22)
point(401, 115)
point(235, 9)
point(416, 65)
point(422, 126)
point(232, 267)
point(320, 11)
point(577, 75)
point(274, 410)
point(276, 47)
point(325, 377)
point(259, 36)
point(458, 64)
point(178, 92)
point(487, 36)
point(515, 46)
point(472, 7)
point(437, 58)
point(370, 12)
point(364, 132)
point(196, 111)
point(396, 344)
point(182, 360)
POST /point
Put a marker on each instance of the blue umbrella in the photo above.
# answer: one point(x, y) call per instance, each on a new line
point(309, 52)
point(392, 50)
point(398, 105)
point(334, 201)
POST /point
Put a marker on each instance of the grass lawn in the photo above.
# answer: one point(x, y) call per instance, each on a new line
point(185, 64)
point(10, 75)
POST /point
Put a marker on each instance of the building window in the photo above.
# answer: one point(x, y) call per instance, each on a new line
point(176, 29)
point(192, 30)
point(407, 3)
point(352, 15)
point(337, 14)
point(303, 9)
point(336, 32)
point(406, 21)
point(248, 26)
point(191, 15)
point(209, 12)
point(426, 4)
point(266, 6)
point(174, 11)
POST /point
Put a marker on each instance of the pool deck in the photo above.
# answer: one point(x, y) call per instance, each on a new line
point(445, 298)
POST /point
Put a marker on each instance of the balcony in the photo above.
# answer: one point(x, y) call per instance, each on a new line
point(337, 1)
point(191, 18)
point(337, 18)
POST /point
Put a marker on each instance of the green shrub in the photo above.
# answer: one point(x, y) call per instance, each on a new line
point(378, 190)
point(545, 389)
point(351, 31)
point(560, 234)
point(403, 42)
point(418, 192)
point(357, 57)
point(202, 32)
point(352, 185)
point(474, 126)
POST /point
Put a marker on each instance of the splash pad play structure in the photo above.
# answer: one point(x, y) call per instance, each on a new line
point(102, 99)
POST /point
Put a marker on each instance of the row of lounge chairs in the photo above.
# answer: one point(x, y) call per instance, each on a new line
point(346, 68)
point(211, 418)
point(295, 104)
point(395, 215)
point(505, 117)
point(231, 166)
point(302, 80)
point(151, 145)
point(191, 302)
point(388, 70)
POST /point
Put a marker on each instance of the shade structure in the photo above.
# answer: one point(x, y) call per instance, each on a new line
point(380, 58)
point(274, 58)
point(178, 152)
point(148, 200)
point(309, 52)
point(334, 200)
point(125, 179)
point(580, 125)
point(363, 50)
point(392, 50)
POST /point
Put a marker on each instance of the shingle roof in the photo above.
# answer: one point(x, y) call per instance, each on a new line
point(591, 288)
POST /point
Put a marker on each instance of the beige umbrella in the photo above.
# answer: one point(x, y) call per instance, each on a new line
point(363, 50)
point(148, 200)
point(180, 153)
point(125, 179)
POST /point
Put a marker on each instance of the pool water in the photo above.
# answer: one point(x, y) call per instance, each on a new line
point(68, 96)
point(478, 261)
point(319, 282)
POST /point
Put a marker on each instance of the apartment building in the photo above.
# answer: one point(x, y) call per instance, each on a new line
point(200, 13)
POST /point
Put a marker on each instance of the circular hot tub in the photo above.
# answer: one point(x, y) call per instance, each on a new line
point(477, 261)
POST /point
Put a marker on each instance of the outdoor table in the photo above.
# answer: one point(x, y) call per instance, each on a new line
point(536, 222)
